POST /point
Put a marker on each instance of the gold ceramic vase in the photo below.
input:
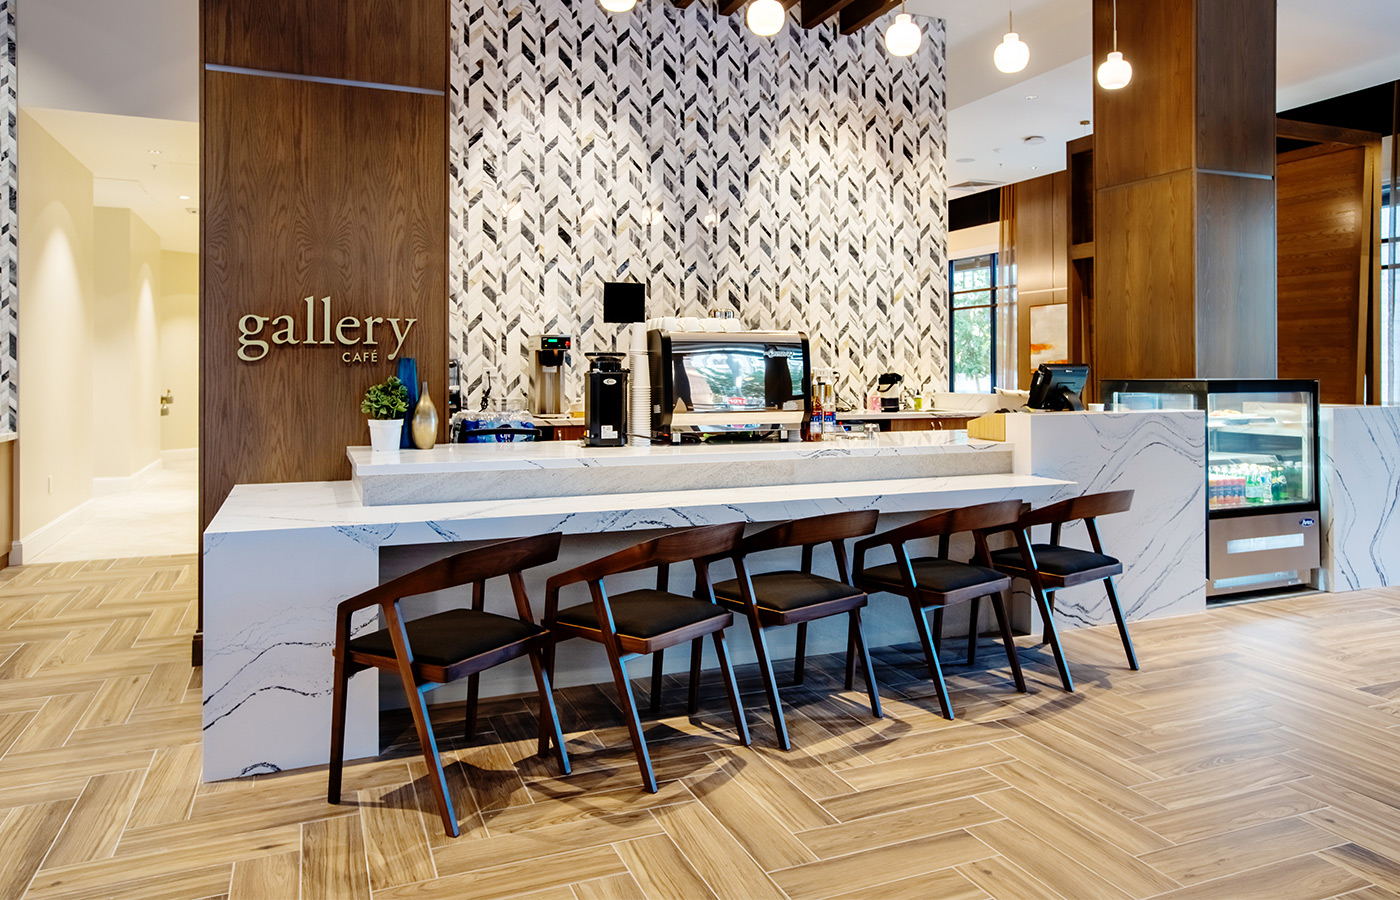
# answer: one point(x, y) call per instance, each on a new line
point(425, 422)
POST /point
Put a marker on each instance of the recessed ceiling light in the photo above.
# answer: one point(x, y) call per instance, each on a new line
point(154, 152)
point(184, 196)
point(1035, 168)
point(1033, 140)
point(966, 159)
point(1032, 96)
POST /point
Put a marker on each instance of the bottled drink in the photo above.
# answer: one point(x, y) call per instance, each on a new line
point(828, 408)
point(818, 423)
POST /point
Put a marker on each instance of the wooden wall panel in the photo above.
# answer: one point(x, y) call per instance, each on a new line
point(1235, 93)
point(322, 191)
point(1236, 248)
point(1042, 224)
point(1323, 234)
point(400, 42)
point(1144, 314)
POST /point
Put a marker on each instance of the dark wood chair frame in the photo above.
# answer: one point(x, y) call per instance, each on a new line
point(809, 533)
point(1044, 584)
point(696, 545)
point(475, 567)
point(943, 525)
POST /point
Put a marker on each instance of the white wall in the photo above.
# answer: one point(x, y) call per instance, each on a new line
point(55, 304)
point(179, 349)
point(124, 57)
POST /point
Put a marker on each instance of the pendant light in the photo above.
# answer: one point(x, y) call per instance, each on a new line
point(618, 5)
point(903, 37)
point(1012, 54)
point(1116, 72)
point(766, 17)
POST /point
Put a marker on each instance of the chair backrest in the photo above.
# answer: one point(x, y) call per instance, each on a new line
point(698, 544)
point(1089, 506)
point(947, 522)
point(477, 565)
point(814, 530)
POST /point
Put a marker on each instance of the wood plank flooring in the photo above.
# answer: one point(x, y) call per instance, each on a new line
point(1254, 756)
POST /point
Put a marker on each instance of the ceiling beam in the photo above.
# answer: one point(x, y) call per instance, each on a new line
point(815, 12)
point(861, 13)
point(730, 7)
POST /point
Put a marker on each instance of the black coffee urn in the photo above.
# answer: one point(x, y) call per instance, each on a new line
point(605, 401)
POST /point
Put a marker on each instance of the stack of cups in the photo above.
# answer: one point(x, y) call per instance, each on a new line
point(639, 422)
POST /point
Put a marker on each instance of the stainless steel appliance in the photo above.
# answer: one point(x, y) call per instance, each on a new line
point(549, 353)
point(1262, 474)
point(720, 382)
point(605, 400)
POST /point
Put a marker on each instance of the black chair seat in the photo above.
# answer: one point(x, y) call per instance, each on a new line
point(646, 614)
point(1052, 560)
point(788, 591)
point(942, 576)
point(447, 638)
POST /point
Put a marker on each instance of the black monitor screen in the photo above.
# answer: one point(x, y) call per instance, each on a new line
point(624, 301)
point(1058, 387)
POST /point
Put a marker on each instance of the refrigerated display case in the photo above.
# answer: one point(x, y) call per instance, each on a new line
point(1261, 471)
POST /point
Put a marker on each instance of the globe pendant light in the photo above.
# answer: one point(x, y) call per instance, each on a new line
point(903, 37)
point(1116, 72)
point(766, 17)
point(618, 5)
point(1012, 54)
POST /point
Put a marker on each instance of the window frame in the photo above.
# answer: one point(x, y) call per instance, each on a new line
point(953, 309)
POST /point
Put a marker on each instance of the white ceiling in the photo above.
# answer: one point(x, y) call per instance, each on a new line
point(1324, 49)
point(117, 150)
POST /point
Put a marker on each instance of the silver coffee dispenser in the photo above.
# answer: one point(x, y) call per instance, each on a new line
point(548, 356)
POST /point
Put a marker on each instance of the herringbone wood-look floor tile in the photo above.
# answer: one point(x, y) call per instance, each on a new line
point(1254, 756)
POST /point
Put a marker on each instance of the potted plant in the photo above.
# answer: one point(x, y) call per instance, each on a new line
point(385, 405)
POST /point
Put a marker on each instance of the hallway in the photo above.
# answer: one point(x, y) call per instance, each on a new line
point(158, 519)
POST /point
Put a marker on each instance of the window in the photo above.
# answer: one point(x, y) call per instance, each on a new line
point(1390, 300)
point(972, 327)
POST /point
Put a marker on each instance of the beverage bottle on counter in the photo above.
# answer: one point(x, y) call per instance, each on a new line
point(828, 408)
point(818, 423)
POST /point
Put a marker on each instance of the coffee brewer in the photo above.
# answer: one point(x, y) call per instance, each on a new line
point(605, 401)
point(548, 353)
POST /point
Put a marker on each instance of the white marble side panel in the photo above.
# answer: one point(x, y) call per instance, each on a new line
point(1162, 540)
point(1360, 497)
point(269, 625)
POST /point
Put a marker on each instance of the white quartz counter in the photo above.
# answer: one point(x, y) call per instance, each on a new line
point(500, 471)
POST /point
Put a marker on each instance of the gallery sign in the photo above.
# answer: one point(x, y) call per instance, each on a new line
point(360, 340)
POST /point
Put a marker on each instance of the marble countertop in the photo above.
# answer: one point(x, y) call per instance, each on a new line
point(456, 458)
point(336, 504)
point(857, 415)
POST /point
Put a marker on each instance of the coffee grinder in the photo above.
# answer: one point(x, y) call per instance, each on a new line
point(605, 401)
point(548, 354)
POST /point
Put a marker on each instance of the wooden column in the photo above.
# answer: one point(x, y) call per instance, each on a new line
point(324, 175)
point(1184, 236)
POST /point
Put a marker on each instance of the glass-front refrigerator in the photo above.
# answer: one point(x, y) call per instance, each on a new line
point(1261, 470)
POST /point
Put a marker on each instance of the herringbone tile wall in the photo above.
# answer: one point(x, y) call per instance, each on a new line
point(9, 222)
point(798, 180)
point(1253, 758)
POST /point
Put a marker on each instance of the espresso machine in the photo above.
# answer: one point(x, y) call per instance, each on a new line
point(605, 401)
point(548, 355)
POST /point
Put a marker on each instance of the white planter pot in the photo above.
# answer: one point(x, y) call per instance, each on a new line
point(385, 434)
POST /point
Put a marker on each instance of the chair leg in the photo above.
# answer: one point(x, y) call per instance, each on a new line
point(424, 726)
point(935, 671)
point(732, 687)
point(549, 715)
point(1122, 623)
point(1050, 603)
point(799, 662)
point(473, 688)
point(658, 662)
point(852, 623)
point(858, 635)
point(337, 761)
point(770, 683)
point(938, 629)
point(629, 712)
point(1052, 637)
point(1009, 640)
point(974, 613)
point(697, 656)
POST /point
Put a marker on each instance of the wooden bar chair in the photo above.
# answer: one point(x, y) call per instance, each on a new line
point(773, 599)
point(431, 651)
point(635, 623)
point(1050, 567)
point(938, 582)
